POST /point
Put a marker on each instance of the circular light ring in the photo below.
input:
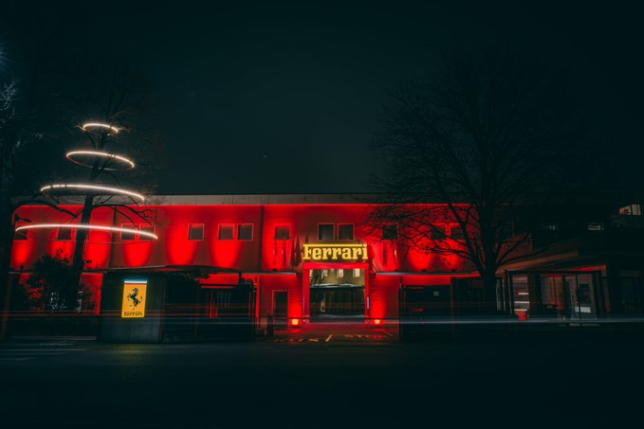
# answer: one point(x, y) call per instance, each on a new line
point(89, 126)
point(123, 162)
point(98, 189)
point(88, 227)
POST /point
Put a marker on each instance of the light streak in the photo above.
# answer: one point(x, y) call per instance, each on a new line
point(89, 125)
point(87, 227)
point(83, 186)
point(129, 163)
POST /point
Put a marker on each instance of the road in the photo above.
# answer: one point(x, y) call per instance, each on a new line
point(344, 382)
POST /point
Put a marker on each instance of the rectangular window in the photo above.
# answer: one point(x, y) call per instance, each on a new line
point(550, 227)
point(282, 233)
point(195, 231)
point(390, 232)
point(226, 232)
point(326, 232)
point(245, 231)
point(631, 210)
point(457, 232)
point(64, 234)
point(438, 232)
point(356, 273)
point(127, 236)
point(345, 231)
point(146, 228)
point(340, 273)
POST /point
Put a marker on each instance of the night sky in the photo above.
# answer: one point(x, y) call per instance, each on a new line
point(276, 97)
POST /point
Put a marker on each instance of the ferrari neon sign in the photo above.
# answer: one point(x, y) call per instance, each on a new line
point(335, 252)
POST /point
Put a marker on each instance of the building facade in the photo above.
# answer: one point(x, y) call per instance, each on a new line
point(315, 257)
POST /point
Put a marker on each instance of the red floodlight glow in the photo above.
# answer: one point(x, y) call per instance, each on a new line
point(88, 227)
point(96, 188)
point(127, 163)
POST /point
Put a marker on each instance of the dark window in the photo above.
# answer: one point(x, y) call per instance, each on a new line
point(282, 233)
point(195, 232)
point(64, 234)
point(245, 231)
point(127, 236)
point(390, 232)
point(226, 232)
point(326, 232)
point(438, 232)
point(146, 228)
point(345, 232)
point(550, 227)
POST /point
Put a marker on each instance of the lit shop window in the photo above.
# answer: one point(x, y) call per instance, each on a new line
point(326, 232)
point(64, 234)
point(325, 274)
point(245, 231)
point(345, 231)
point(340, 273)
point(356, 273)
point(226, 232)
point(390, 232)
point(282, 233)
point(146, 228)
point(595, 226)
point(195, 231)
point(631, 210)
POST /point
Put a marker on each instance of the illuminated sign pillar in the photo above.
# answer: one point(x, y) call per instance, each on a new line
point(134, 298)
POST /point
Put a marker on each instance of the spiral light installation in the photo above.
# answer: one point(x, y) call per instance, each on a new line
point(87, 227)
point(108, 190)
point(125, 162)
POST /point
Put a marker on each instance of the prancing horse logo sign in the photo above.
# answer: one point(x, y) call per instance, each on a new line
point(134, 295)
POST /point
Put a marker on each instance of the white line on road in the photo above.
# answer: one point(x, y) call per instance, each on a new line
point(328, 338)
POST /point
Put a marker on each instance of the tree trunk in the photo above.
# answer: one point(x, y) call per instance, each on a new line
point(6, 242)
point(81, 238)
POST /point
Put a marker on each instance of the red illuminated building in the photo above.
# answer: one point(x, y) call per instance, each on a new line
point(313, 256)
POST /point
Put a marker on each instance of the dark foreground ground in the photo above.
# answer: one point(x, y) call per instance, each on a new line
point(357, 378)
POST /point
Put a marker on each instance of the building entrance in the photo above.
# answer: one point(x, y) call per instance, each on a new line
point(337, 294)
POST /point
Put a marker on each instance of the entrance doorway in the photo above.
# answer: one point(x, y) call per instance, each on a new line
point(337, 294)
point(280, 308)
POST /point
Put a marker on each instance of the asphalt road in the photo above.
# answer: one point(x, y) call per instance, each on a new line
point(344, 382)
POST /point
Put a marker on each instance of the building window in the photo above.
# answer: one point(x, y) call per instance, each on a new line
point(226, 232)
point(595, 226)
point(326, 232)
point(64, 234)
point(631, 210)
point(456, 232)
point(345, 231)
point(550, 226)
point(438, 232)
point(195, 232)
point(245, 231)
point(356, 273)
point(282, 233)
point(127, 235)
point(390, 232)
point(340, 273)
point(146, 228)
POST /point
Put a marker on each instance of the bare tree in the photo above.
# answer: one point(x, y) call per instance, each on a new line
point(469, 147)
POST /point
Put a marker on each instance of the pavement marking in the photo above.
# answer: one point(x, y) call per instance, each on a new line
point(328, 338)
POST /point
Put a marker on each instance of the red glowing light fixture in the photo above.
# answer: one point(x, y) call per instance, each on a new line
point(377, 322)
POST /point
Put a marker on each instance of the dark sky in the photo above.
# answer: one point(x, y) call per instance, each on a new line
point(284, 97)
